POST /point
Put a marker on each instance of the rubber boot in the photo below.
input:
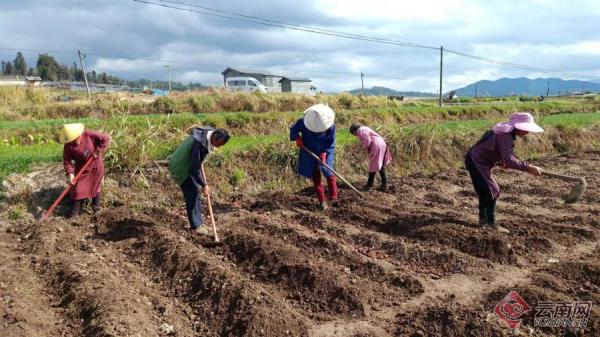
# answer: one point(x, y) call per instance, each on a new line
point(75, 209)
point(97, 203)
point(384, 185)
point(370, 181)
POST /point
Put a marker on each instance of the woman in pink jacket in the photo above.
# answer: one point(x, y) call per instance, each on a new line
point(379, 154)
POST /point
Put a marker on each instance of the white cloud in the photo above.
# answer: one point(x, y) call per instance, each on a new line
point(552, 34)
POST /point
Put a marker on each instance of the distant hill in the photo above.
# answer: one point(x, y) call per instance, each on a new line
point(527, 86)
point(383, 91)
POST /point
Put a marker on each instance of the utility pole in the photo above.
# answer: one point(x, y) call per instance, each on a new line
point(548, 89)
point(475, 91)
point(169, 70)
point(362, 82)
point(441, 72)
point(87, 86)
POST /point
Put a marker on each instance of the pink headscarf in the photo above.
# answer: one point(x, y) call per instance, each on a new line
point(520, 121)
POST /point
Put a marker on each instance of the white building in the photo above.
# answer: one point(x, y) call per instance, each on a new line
point(33, 81)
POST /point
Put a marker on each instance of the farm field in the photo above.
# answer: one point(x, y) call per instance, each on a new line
point(409, 262)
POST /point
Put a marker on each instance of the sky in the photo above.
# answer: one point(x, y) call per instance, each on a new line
point(137, 40)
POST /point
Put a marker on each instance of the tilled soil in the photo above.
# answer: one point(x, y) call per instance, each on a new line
point(410, 262)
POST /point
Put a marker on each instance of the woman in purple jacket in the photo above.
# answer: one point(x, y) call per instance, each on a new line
point(497, 147)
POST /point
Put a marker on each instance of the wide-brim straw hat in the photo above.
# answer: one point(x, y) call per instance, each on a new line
point(319, 118)
point(70, 132)
point(520, 121)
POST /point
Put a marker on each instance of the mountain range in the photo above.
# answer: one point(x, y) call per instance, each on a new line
point(527, 86)
point(502, 87)
point(383, 91)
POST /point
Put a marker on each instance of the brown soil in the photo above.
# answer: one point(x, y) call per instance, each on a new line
point(411, 262)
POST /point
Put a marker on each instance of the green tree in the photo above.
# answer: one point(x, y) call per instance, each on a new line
point(20, 65)
point(47, 68)
point(9, 69)
point(31, 72)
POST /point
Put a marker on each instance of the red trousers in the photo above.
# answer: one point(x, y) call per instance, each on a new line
point(331, 185)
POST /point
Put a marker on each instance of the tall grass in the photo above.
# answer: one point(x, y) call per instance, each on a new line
point(25, 103)
point(257, 163)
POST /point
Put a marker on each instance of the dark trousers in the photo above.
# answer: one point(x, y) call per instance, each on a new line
point(487, 204)
point(193, 205)
point(96, 205)
point(382, 174)
point(320, 190)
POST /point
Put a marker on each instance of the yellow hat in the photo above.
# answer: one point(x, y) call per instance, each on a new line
point(70, 132)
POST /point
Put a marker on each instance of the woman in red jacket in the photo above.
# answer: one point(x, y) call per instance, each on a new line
point(79, 146)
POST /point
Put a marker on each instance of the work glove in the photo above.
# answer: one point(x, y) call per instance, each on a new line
point(71, 179)
point(323, 157)
point(96, 154)
point(299, 142)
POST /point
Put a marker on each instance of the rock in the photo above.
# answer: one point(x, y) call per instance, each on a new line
point(59, 229)
point(552, 260)
point(167, 329)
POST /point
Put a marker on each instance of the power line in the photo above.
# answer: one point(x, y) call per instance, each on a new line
point(269, 23)
point(303, 27)
point(281, 24)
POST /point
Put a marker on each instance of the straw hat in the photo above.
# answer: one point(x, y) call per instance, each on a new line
point(70, 132)
point(520, 121)
point(318, 118)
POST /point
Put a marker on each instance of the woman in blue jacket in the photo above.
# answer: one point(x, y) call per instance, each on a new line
point(316, 132)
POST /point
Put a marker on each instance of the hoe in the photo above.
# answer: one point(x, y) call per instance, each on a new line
point(576, 191)
point(67, 189)
point(332, 170)
point(216, 241)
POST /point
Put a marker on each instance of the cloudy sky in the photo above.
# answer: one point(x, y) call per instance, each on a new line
point(134, 40)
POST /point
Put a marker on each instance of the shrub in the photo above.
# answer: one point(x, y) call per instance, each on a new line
point(345, 100)
point(203, 103)
point(164, 105)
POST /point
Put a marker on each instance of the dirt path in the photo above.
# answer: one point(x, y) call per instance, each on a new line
point(411, 262)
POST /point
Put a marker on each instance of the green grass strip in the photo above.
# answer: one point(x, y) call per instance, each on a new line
point(17, 158)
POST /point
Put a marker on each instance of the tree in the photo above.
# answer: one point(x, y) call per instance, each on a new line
point(47, 68)
point(9, 69)
point(20, 65)
point(31, 72)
